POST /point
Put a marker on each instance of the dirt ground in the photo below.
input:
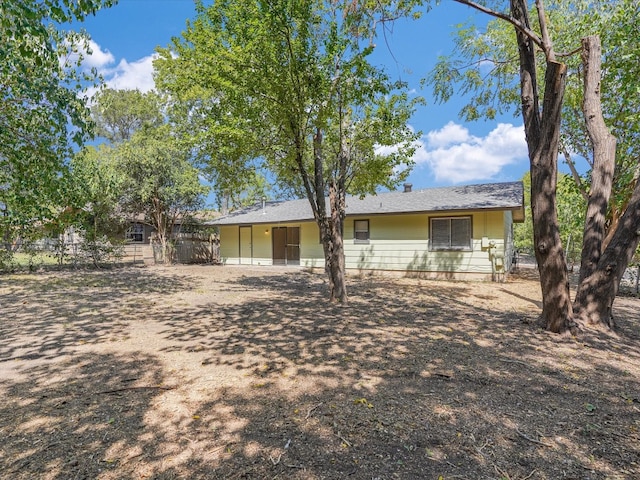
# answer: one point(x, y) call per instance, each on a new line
point(203, 372)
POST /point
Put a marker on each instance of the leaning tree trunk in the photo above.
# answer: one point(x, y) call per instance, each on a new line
point(604, 158)
point(542, 133)
point(595, 296)
point(600, 271)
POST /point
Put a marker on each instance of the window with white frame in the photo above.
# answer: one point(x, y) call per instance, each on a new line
point(361, 231)
point(450, 233)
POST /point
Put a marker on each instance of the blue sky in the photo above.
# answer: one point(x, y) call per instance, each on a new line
point(450, 151)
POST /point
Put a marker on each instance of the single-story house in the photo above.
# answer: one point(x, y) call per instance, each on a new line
point(192, 241)
point(449, 232)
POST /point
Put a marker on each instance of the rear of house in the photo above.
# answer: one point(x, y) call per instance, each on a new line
point(452, 232)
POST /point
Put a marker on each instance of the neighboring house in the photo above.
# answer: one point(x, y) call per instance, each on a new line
point(192, 242)
point(449, 232)
point(138, 232)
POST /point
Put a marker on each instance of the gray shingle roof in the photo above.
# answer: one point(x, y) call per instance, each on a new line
point(491, 196)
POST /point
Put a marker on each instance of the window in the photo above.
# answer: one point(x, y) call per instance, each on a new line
point(451, 233)
point(361, 231)
point(135, 233)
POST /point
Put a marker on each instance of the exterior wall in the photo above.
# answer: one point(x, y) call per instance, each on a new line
point(396, 243)
point(230, 245)
point(257, 252)
point(401, 243)
point(311, 251)
point(262, 248)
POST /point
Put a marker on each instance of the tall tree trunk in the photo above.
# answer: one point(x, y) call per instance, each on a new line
point(330, 223)
point(160, 224)
point(334, 254)
point(604, 158)
point(542, 134)
point(557, 311)
point(600, 271)
point(594, 299)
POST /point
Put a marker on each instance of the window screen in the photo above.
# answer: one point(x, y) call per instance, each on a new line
point(361, 230)
point(452, 233)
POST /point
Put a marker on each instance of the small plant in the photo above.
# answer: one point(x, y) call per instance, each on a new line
point(7, 261)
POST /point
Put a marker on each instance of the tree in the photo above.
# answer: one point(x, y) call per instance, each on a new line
point(616, 25)
point(95, 192)
point(120, 113)
point(146, 161)
point(159, 181)
point(602, 264)
point(42, 116)
point(287, 86)
point(571, 213)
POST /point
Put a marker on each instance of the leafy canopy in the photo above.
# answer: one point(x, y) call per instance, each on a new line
point(42, 115)
point(254, 82)
point(485, 65)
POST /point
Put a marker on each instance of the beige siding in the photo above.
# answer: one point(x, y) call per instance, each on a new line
point(396, 243)
point(311, 252)
point(230, 245)
point(401, 243)
point(262, 245)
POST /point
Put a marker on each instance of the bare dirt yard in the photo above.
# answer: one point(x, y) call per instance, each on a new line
point(203, 372)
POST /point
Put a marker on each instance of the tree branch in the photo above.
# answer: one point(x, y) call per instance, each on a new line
point(574, 172)
point(547, 46)
point(535, 38)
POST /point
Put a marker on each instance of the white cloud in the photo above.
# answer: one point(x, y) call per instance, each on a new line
point(98, 57)
point(131, 75)
point(454, 155)
point(450, 134)
point(125, 75)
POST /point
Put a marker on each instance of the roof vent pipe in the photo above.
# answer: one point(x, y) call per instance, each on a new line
point(407, 187)
point(264, 205)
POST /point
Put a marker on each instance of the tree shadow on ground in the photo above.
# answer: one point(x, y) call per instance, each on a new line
point(50, 314)
point(74, 419)
point(451, 387)
point(413, 379)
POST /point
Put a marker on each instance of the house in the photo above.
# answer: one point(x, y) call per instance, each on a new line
point(192, 240)
point(450, 232)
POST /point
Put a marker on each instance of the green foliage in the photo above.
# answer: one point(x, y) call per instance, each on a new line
point(8, 261)
point(253, 82)
point(156, 171)
point(120, 113)
point(523, 232)
point(158, 180)
point(41, 113)
point(486, 66)
point(571, 215)
point(95, 191)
